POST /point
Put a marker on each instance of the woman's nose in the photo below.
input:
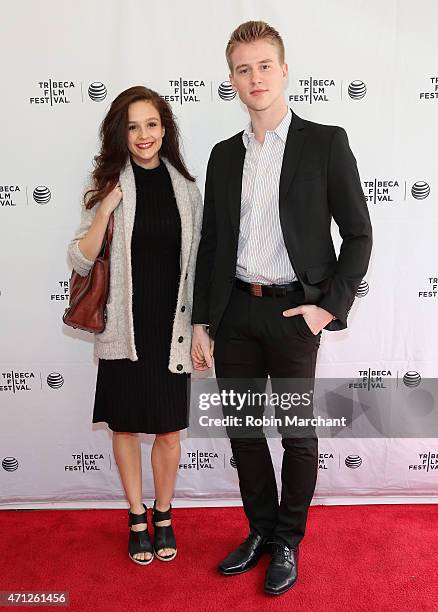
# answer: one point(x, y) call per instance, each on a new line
point(144, 132)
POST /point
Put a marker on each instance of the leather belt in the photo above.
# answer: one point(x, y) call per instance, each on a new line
point(268, 290)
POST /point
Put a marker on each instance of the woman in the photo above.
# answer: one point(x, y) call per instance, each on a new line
point(144, 351)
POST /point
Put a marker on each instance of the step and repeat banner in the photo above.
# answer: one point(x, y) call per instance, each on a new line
point(372, 69)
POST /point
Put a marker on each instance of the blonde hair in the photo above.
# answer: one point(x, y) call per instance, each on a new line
point(250, 31)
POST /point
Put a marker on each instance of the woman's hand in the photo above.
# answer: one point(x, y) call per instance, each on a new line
point(91, 244)
point(111, 201)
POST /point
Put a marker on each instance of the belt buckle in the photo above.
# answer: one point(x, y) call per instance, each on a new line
point(256, 290)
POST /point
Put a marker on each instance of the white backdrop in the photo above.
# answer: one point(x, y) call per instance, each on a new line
point(370, 67)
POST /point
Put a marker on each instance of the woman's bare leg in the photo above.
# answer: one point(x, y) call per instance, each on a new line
point(127, 452)
point(165, 457)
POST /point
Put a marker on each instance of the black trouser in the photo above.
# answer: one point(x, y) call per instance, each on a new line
point(255, 340)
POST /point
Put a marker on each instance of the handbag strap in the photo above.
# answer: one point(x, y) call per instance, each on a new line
point(105, 250)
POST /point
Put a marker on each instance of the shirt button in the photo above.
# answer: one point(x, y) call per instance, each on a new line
point(183, 308)
point(179, 367)
point(180, 339)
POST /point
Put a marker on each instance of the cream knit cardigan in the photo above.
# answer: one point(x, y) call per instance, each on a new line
point(117, 340)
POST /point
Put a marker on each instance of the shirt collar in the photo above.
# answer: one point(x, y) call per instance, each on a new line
point(281, 130)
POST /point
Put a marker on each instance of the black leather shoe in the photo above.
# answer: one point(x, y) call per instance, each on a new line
point(282, 571)
point(245, 556)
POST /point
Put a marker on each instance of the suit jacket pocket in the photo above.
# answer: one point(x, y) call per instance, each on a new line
point(316, 274)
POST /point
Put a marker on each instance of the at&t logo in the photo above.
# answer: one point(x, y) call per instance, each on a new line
point(226, 91)
point(420, 190)
point(10, 464)
point(357, 90)
point(363, 289)
point(97, 91)
point(41, 194)
point(353, 461)
point(411, 379)
point(55, 380)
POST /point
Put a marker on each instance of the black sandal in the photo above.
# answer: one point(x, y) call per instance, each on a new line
point(164, 536)
point(139, 541)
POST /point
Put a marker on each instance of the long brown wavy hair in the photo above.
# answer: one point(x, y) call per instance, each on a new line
point(114, 148)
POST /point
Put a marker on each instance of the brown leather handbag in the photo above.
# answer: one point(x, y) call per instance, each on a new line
point(89, 294)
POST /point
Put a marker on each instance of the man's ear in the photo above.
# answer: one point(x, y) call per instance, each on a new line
point(285, 69)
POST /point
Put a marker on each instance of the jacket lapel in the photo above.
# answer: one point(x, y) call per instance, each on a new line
point(235, 182)
point(292, 152)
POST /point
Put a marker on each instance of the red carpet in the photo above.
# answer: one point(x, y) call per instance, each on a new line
point(353, 558)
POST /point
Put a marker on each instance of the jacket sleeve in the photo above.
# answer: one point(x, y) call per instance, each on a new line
point(350, 211)
point(206, 251)
point(81, 264)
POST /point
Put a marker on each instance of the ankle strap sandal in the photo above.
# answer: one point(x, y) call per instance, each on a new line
point(139, 541)
point(164, 536)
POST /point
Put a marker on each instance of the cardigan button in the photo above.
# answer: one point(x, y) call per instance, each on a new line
point(183, 308)
point(179, 367)
point(180, 339)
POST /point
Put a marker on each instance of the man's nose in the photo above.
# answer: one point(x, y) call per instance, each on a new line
point(256, 77)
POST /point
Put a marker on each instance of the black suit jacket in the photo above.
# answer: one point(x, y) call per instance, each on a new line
point(319, 180)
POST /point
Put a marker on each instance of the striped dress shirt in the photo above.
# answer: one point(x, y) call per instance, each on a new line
point(261, 253)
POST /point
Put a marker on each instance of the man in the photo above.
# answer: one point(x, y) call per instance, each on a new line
point(271, 192)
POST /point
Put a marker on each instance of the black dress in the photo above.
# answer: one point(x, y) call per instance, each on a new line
point(144, 396)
